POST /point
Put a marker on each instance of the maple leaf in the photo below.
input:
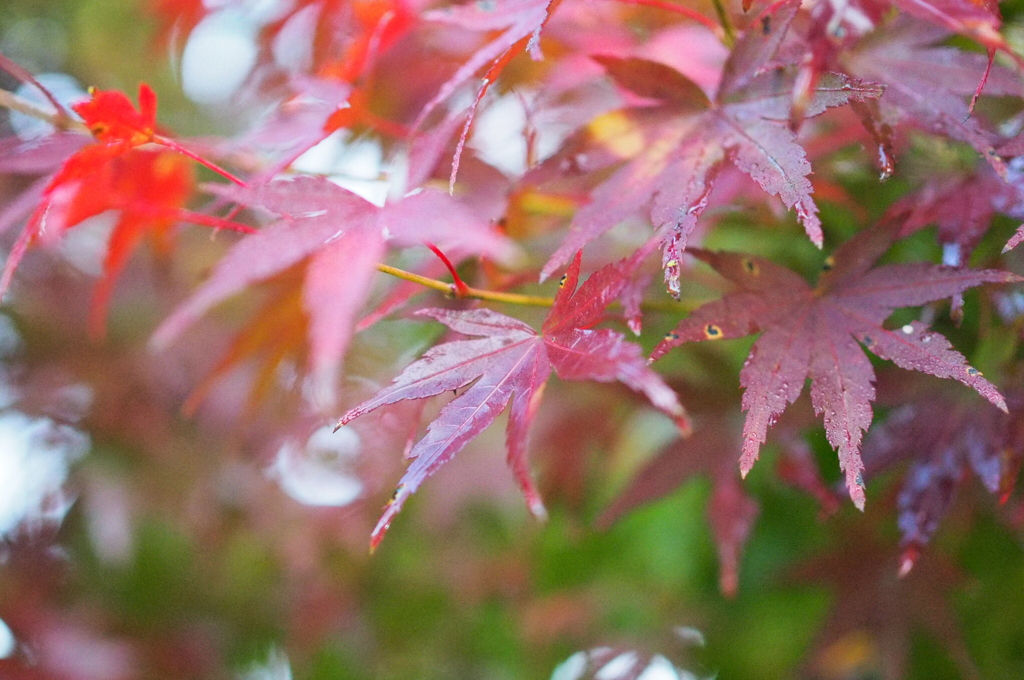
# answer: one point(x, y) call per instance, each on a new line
point(148, 187)
point(295, 125)
point(1012, 196)
point(113, 119)
point(962, 205)
point(835, 26)
point(348, 37)
point(814, 332)
point(874, 613)
point(674, 150)
point(339, 237)
point(176, 17)
point(731, 512)
point(977, 19)
point(276, 333)
point(329, 77)
point(509, 362)
point(928, 83)
point(943, 438)
point(119, 127)
point(519, 22)
point(38, 156)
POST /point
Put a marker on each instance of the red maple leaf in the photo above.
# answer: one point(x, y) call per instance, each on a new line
point(277, 333)
point(338, 238)
point(731, 511)
point(834, 28)
point(677, 146)
point(148, 187)
point(345, 43)
point(516, 25)
point(977, 19)
point(961, 203)
point(814, 331)
point(348, 37)
point(509, 362)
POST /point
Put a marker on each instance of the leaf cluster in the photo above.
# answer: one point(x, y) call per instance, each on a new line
point(656, 150)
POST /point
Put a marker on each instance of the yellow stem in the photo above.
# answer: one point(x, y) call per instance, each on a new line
point(726, 22)
point(473, 293)
point(517, 299)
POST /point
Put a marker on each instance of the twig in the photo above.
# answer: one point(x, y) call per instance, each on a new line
point(9, 100)
point(726, 22)
point(679, 9)
point(25, 76)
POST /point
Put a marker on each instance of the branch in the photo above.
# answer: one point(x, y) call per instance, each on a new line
point(680, 9)
point(726, 22)
point(9, 100)
point(25, 76)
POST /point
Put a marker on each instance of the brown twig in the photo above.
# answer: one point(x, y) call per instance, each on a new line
point(9, 100)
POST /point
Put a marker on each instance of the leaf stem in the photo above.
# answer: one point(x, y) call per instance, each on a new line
point(459, 285)
point(175, 146)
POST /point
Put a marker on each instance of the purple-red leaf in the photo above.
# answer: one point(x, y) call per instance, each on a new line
point(813, 332)
point(674, 150)
point(943, 439)
point(929, 84)
point(518, 20)
point(878, 613)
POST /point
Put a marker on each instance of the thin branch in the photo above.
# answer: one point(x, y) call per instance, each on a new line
point(175, 146)
point(726, 22)
point(25, 76)
point(679, 9)
point(9, 100)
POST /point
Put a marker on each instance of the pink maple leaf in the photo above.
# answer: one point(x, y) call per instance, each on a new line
point(340, 237)
point(683, 141)
point(508, 362)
